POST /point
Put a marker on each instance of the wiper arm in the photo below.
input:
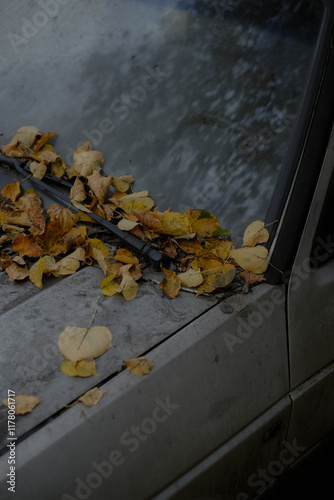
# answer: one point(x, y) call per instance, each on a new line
point(155, 256)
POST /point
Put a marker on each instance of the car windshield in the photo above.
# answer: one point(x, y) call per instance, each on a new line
point(196, 99)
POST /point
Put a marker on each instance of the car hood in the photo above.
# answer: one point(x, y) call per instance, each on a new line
point(32, 319)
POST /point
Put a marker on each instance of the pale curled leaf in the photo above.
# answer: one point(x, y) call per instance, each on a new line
point(127, 225)
point(252, 259)
point(24, 403)
point(92, 397)
point(191, 278)
point(76, 343)
point(255, 233)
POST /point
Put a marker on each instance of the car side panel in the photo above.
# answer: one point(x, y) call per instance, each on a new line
point(243, 467)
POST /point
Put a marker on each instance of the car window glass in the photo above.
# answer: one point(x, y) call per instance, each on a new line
point(196, 99)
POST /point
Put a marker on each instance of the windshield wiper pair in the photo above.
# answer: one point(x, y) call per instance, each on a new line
point(155, 256)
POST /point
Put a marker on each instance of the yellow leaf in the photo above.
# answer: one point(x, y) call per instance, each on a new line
point(221, 248)
point(36, 272)
point(83, 368)
point(202, 222)
point(149, 221)
point(42, 139)
point(24, 403)
point(139, 366)
point(108, 286)
point(191, 278)
point(98, 250)
point(92, 397)
point(216, 277)
point(175, 224)
point(128, 286)
point(122, 183)
point(46, 154)
point(38, 169)
point(77, 343)
point(255, 233)
point(134, 271)
point(126, 257)
point(190, 245)
point(87, 161)
point(26, 135)
point(139, 202)
point(77, 192)
point(99, 185)
point(127, 225)
point(58, 167)
point(70, 264)
point(251, 258)
point(25, 245)
point(11, 191)
point(84, 217)
point(16, 272)
point(135, 206)
point(81, 207)
point(171, 284)
point(65, 217)
point(206, 260)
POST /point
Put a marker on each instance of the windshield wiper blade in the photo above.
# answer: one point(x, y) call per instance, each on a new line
point(155, 256)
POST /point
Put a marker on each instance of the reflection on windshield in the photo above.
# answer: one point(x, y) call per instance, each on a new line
point(196, 99)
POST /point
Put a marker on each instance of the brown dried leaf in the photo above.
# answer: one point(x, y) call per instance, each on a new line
point(92, 397)
point(170, 284)
point(78, 192)
point(126, 257)
point(36, 272)
point(99, 185)
point(42, 139)
point(149, 220)
point(11, 191)
point(38, 169)
point(26, 245)
point(16, 272)
point(139, 366)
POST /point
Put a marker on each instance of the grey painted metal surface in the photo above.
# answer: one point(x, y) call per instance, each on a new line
point(31, 322)
point(224, 388)
point(311, 339)
point(244, 456)
point(313, 401)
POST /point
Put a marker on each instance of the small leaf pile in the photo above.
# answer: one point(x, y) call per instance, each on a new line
point(34, 244)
